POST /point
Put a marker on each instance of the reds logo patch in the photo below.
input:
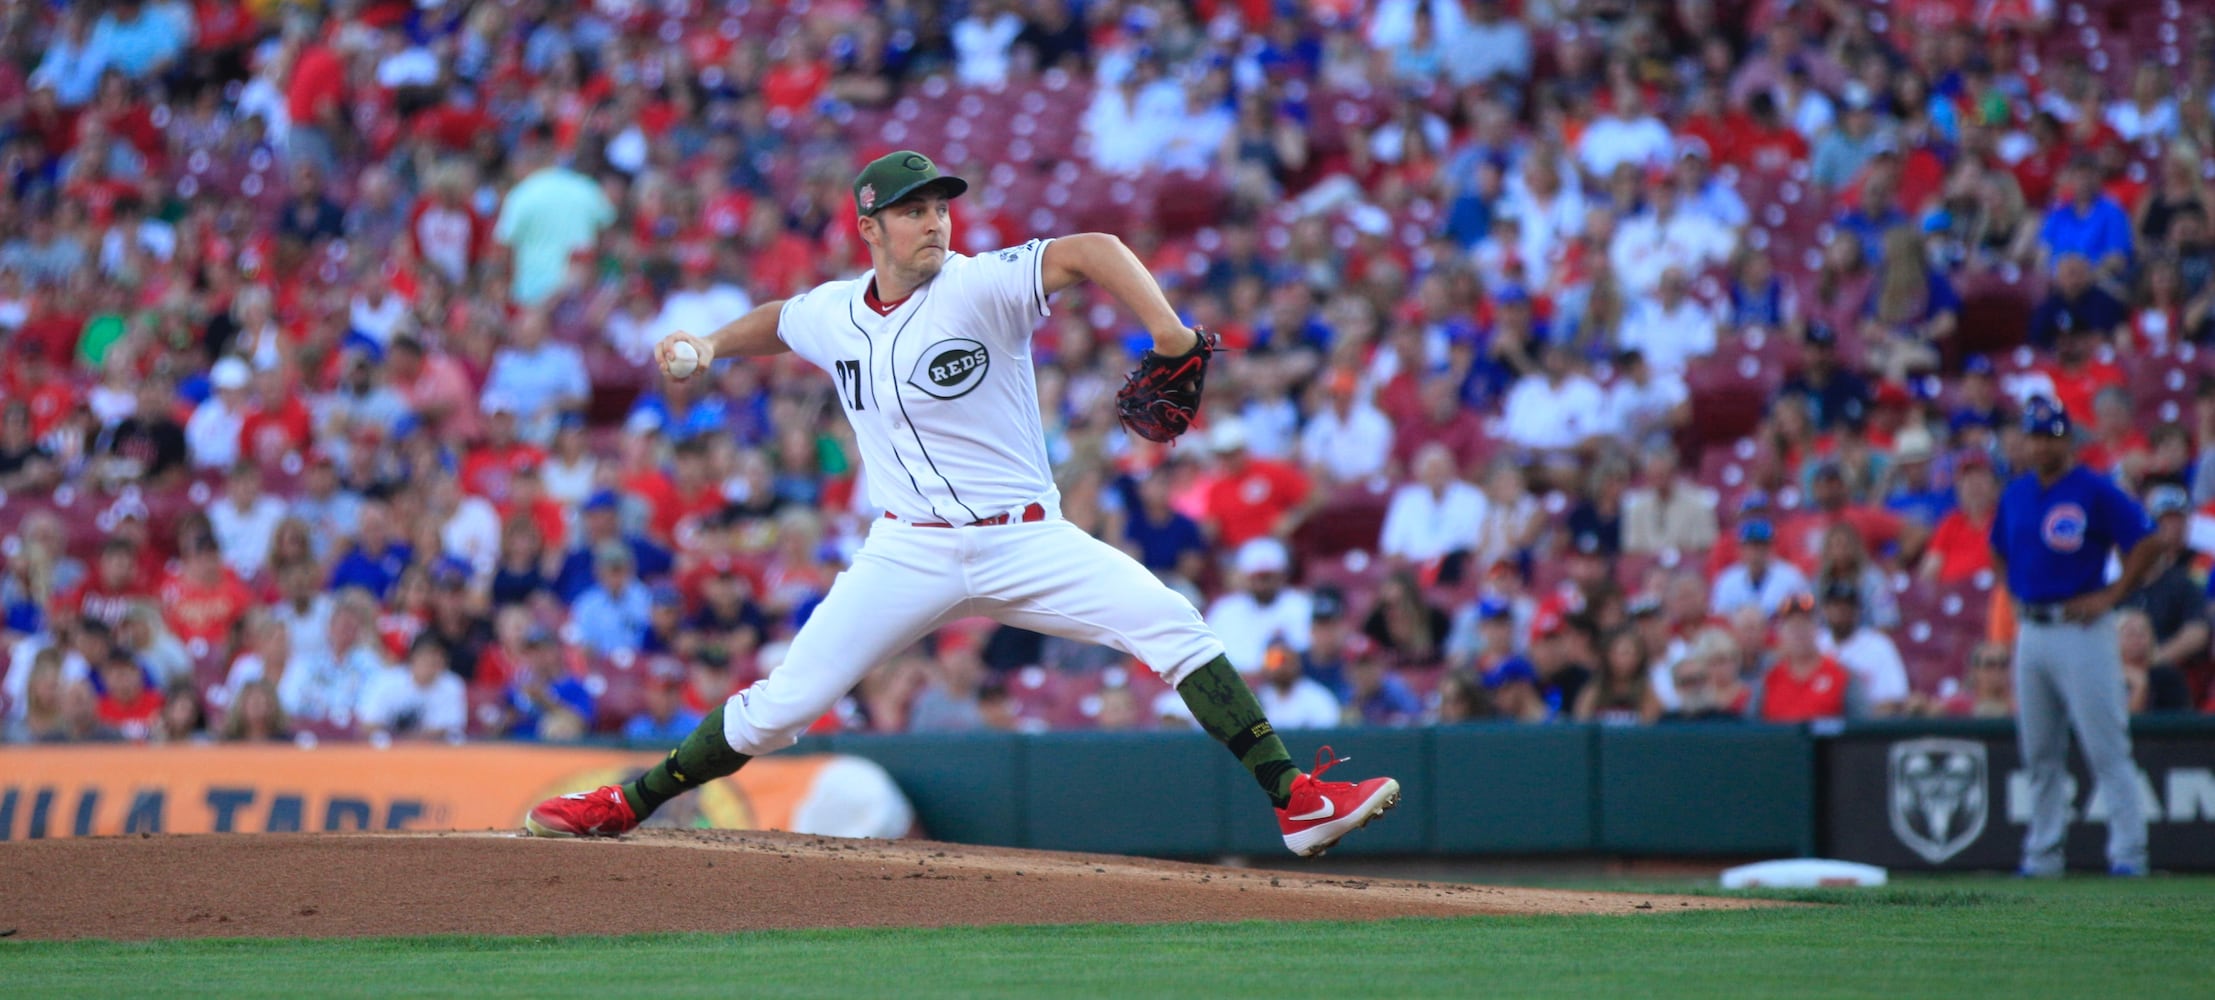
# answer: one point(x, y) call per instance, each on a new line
point(868, 196)
point(2064, 527)
point(951, 369)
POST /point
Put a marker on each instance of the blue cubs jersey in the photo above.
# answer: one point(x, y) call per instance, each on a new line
point(2056, 539)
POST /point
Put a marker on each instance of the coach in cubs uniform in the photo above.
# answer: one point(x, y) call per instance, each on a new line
point(930, 356)
point(2054, 529)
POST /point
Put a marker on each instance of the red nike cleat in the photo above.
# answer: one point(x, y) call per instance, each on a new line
point(602, 812)
point(1321, 811)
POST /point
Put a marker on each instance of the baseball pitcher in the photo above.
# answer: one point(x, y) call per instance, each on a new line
point(930, 353)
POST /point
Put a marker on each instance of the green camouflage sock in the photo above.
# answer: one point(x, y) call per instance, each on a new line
point(1226, 708)
point(703, 757)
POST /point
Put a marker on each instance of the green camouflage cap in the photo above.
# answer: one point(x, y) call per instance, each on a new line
point(894, 176)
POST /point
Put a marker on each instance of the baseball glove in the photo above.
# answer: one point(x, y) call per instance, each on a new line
point(1159, 399)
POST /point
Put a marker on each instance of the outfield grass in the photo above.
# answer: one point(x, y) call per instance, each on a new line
point(1952, 937)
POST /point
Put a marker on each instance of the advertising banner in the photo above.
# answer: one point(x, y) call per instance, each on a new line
point(1962, 801)
point(80, 791)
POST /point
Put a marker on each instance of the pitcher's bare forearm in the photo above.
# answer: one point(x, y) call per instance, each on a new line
point(1102, 259)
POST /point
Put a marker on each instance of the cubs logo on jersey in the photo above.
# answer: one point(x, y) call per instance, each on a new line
point(951, 369)
point(2064, 527)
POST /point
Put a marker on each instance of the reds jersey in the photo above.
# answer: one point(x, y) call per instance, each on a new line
point(940, 392)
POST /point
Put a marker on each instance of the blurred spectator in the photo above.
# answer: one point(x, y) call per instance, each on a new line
point(1669, 331)
point(184, 718)
point(1757, 579)
point(1290, 698)
point(1844, 563)
point(1331, 641)
point(378, 555)
point(1379, 697)
point(1623, 133)
point(612, 614)
point(1880, 676)
point(545, 700)
point(326, 688)
point(1644, 403)
point(256, 716)
point(1667, 510)
point(1435, 518)
point(1162, 537)
point(438, 391)
point(147, 638)
point(38, 705)
point(1705, 683)
point(1544, 682)
point(114, 586)
point(1961, 545)
point(1990, 689)
point(2077, 306)
point(663, 717)
point(1490, 47)
point(2150, 686)
point(213, 433)
point(1555, 409)
point(1804, 684)
point(1438, 419)
point(2085, 222)
point(2173, 602)
point(535, 380)
point(147, 447)
point(551, 213)
point(1403, 625)
point(1913, 310)
point(204, 600)
point(1596, 522)
point(1619, 693)
point(420, 698)
point(1834, 392)
point(1263, 610)
point(1348, 439)
point(1803, 537)
point(1250, 497)
point(245, 519)
point(81, 718)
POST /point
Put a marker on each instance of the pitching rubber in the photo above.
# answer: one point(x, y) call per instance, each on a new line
point(1313, 842)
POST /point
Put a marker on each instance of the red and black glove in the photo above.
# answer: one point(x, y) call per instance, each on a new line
point(1159, 399)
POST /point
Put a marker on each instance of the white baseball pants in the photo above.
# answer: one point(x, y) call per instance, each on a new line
point(2069, 676)
point(1047, 576)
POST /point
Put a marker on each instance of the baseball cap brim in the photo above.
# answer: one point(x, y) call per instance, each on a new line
point(890, 178)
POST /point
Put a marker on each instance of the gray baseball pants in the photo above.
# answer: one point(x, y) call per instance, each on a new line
point(2071, 674)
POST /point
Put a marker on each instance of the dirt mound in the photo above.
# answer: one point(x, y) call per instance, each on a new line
point(341, 885)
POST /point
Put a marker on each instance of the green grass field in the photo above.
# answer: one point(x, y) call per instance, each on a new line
point(1952, 937)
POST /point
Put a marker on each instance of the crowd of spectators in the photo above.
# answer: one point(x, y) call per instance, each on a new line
point(1617, 360)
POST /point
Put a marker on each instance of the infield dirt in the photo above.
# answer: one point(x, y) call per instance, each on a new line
point(351, 885)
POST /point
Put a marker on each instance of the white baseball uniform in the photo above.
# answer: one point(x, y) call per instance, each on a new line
point(944, 404)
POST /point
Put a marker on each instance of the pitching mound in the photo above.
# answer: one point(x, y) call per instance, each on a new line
point(334, 885)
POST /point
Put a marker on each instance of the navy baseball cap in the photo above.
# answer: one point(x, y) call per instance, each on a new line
point(1757, 532)
point(2045, 418)
point(602, 500)
point(1493, 609)
point(1977, 364)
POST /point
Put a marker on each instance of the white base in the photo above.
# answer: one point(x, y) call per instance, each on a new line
point(1802, 873)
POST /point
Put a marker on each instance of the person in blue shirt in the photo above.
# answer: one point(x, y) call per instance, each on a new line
point(1166, 541)
point(2056, 525)
point(2076, 305)
point(545, 700)
point(2086, 222)
point(601, 525)
point(612, 615)
point(378, 556)
point(663, 717)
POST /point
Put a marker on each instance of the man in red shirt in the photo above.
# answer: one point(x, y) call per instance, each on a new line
point(1800, 536)
point(111, 588)
point(1250, 497)
point(127, 703)
point(279, 422)
point(2078, 374)
point(1803, 685)
point(491, 466)
point(204, 599)
point(1440, 418)
point(1961, 546)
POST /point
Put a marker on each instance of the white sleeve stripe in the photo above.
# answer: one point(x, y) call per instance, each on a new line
point(1038, 277)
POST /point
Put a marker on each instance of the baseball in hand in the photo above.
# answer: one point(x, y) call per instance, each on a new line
point(684, 359)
